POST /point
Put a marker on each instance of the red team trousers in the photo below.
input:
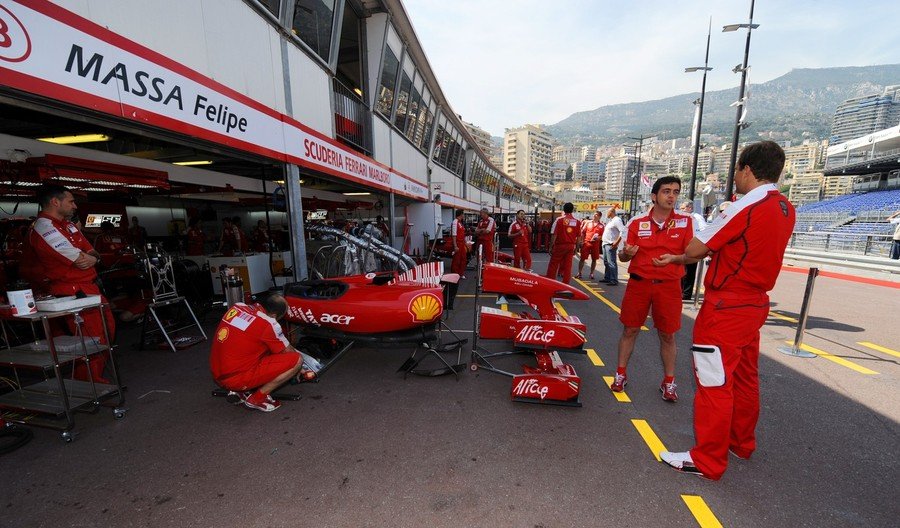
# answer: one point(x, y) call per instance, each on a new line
point(522, 255)
point(561, 261)
point(726, 405)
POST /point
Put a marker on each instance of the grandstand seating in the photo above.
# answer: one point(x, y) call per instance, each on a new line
point(851, 214)
point(851, 204)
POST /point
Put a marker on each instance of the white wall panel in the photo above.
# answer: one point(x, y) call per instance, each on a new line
point(381, 140)
point(310, 92)
point(409, 160)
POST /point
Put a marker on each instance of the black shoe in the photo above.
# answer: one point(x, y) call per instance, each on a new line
point(613, 283)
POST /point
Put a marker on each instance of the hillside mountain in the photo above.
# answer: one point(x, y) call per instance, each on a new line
point(798, 105)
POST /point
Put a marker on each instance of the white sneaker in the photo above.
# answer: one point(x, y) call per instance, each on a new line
point(681, 461)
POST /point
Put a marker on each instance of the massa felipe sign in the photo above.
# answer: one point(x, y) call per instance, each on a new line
point(49, 51)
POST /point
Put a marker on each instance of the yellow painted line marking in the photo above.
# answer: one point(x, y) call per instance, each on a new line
point(605, 301)
point(465, 295)
point(653, 442)
point(562, 311)
point(620, 396)
point(879, 348)
point(839, 360)
point(705, 517)
point(777, 315)
point(595, 359)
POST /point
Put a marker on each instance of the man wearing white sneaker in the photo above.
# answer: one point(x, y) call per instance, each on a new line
point(251, 353)
point(747, 242)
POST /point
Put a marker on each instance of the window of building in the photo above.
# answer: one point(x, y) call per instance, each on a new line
point(388, 83)
point(272, 6)
point(312, 23)
point(350, 51)
point(406, 76)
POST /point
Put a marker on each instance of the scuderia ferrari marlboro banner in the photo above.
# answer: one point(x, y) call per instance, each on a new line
point(49, 51)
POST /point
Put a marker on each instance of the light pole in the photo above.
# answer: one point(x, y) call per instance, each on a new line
point(705, 68)
point(637, 173)
point(738, 125)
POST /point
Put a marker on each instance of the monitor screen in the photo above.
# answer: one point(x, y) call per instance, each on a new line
point(94, 220)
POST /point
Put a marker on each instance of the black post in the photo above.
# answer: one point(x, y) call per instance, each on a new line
point(706, 69)
point(729, 183)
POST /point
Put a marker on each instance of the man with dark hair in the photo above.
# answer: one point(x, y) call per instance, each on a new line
point(520, 234)
point(654, 289)
point(136, 233)
point(591, 233)
point(251, 353)
point(563, 236)
point(68, 262)
point(747, 242)
point(460, 252)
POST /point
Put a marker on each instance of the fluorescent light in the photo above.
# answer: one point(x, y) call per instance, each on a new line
point(356, 194)
point(69, 140)
point(191, 163)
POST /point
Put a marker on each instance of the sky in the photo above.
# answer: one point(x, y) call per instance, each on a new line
point(502, 64)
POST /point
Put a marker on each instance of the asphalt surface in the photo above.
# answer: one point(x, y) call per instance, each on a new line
point(366, 447)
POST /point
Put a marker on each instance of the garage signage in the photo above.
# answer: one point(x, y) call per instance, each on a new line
point(49, 51)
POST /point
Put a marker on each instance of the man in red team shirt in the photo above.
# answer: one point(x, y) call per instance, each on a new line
point(520, 233)
point(484, 233)
point(563, 236)
point(460, 252)
point(251, 353)
point(654, 288)
point(68, 262)
point(747, 242)
point(591, 231)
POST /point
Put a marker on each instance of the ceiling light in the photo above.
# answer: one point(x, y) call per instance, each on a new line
point(356, 194)
point(70, 140)
point(192, 163)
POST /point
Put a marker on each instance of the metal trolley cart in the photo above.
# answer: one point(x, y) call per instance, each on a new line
point(53, 401)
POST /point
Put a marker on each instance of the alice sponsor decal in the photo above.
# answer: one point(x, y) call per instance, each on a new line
point(529, 387)
point(533, 333)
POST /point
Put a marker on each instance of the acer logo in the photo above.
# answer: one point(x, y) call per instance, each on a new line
point(336, 319)
point(535, 333)
point(530, 386)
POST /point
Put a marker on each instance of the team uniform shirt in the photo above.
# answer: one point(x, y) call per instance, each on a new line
point(244, 337)
point(593, 231)
point(230, 241)
point(751, 266)
point(516, 228)
point(490, 227)
point(458, 232)
point(57, 245)
point(655, 240)
point(460, 255)
point(195, 240)
point(567, 228)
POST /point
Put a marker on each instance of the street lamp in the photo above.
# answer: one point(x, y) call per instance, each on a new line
point(699, 118)
point(738, 125)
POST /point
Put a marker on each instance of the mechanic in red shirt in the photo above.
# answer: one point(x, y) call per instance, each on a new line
point(520, 233)
point(458, 235)
point(747, 242)
point(68, 262)
point(654, 289)
point(229, 243)
point(563, 236)
point(251, 353)
point(591, 233)
point(484, 233)
point(195, 238)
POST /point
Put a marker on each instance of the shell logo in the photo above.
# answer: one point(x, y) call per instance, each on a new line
point(222, 335)
point(425, 307)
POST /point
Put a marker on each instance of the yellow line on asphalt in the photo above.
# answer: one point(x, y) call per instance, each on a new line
point(595, 359)
point(605, 301)
point(839, 360)
point(465, 295)
point(653, 442)
point(777, 315)
point(562, 311)
point(879, 348)
point(620, 396)
point(705, 517)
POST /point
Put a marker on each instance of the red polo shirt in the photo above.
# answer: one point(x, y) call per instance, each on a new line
point(567, 228)
point(592, 231)
point(748, 241)
point(490, 226)
point(653, 241)
point(245, 335)
point(520, 227)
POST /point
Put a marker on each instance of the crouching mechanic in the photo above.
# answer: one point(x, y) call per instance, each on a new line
point(251, 353)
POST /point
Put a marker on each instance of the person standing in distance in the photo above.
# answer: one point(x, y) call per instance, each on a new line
point(458, 235)
point(690, 270)
point(484, 233)
point(591, 232)
point(651, 288)
point(747, 242)
point(520, 233)
point(563, 236)
point(612, 235)
point(895, 243)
